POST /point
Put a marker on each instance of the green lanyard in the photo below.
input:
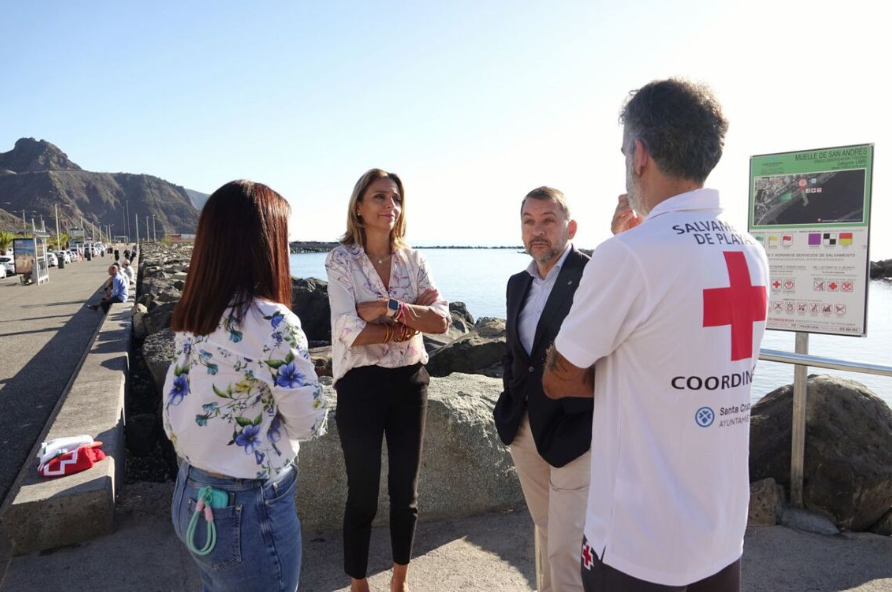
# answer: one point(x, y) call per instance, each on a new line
point(203, 503)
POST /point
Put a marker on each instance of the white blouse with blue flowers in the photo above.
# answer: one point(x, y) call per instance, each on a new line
point(237, 401)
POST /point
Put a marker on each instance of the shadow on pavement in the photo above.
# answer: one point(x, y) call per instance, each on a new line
point(30, 396)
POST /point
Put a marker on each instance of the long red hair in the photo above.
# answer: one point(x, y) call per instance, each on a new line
point(241, 253)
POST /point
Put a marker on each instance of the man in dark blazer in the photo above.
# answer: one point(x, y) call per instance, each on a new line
point(549, 440)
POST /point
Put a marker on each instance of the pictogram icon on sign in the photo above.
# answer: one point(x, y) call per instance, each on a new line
point(739, 305)
point(848, 286)
point(814, 308)
point(791, 307)
point(819, 286)
point(833, 286)
point(776, 286)
point(777, 307)
point(827, 308)
point(840, 309)
point(789, 284)
point(802, 307)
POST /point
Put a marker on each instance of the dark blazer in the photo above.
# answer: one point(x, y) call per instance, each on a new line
point(561, 429)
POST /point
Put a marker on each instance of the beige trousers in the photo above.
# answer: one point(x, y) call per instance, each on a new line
point(557, 500)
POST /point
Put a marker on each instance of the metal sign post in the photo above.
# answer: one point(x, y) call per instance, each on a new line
point(800, 404)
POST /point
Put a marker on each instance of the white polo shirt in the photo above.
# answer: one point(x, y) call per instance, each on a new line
point(673, 312)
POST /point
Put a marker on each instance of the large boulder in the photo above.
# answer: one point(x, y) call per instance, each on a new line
point(461, 318)
point(138, 324)
point(766, 503)
point(848, 449)
point(884, 525)
point(158, 353)
point(478, 352)
point(462, 323)
point(321, 358)
point(309, 301)
point(880, 269)
point(153, 291)
point(158, 318)
point(465, 471)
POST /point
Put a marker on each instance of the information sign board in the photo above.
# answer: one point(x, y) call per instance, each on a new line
point(811, 212)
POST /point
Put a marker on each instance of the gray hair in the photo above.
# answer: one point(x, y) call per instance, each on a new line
point(681, 124)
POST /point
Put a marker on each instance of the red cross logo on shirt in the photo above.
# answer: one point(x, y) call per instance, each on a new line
point(739, 305)
point(587, 558)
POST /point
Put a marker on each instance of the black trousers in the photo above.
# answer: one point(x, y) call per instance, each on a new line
point(107, 302)
point(375, 402)
point(598, 577)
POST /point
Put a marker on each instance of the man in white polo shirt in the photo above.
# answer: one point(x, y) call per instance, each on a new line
point(671, 313)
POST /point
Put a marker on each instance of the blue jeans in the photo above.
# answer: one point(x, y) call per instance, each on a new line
point(258, 535)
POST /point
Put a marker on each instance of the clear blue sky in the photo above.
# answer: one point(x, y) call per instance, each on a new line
point(472, 103)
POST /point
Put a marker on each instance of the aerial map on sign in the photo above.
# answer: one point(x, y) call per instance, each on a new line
point(815, 198)
point(811, 212)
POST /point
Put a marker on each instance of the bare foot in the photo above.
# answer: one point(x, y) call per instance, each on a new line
point(359, 585)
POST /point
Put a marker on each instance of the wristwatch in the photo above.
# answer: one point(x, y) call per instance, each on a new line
point(393, 307)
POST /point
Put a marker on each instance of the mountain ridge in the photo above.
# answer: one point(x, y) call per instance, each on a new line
point(36, 178)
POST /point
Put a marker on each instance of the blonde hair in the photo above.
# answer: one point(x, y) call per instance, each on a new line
point(355, 234)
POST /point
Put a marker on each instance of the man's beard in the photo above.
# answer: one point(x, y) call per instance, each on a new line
point(548, 255)
point(633, 191)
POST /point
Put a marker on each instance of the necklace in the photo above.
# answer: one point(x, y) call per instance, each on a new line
point(380, 260)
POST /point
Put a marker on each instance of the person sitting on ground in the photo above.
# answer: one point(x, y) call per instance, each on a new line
point(107, 286)
point(127, 270)
point(118, 292)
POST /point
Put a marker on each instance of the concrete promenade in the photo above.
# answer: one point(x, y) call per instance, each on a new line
point(485, 554)
point(43, 332)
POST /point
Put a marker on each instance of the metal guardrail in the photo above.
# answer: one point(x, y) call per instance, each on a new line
point(802, 361)
point(773, 355)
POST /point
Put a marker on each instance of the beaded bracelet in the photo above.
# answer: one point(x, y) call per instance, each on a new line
point(400, 316)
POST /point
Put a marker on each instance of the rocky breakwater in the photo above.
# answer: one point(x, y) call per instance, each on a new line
point(466, 469)
point(881, 270)
point(848, 454)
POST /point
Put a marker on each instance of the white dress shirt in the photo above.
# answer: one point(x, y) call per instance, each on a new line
point(538, 295)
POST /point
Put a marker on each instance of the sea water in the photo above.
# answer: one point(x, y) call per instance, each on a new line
point(478, 278)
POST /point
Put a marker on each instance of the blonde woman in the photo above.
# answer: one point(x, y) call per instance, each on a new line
point(382, 297)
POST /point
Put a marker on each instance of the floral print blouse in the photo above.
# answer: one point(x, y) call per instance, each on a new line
point(237, 401)
point(352, 279)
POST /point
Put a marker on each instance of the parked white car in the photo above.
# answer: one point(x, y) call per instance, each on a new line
point(52, 260)
point(8, 263)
